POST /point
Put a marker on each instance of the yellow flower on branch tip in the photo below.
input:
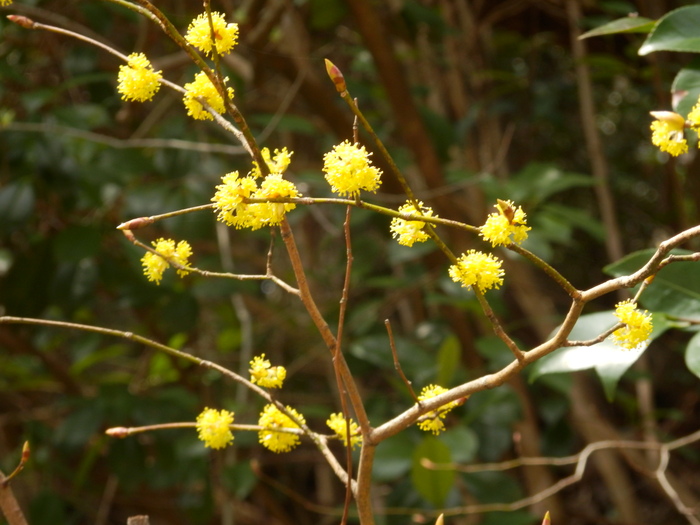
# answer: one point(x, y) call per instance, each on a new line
point(272, 420)
point(409, 232)
point(137, 79)
point(154, 265)
point(506, 222)
point(668, 132)
point(349, 171)
point(276, 164)
point(264, 374)
point(638, 325)
point(432, 421)
point(477, 269)
point(199, 34)
point(339, 425)
point(213, 427)
point(203, 88)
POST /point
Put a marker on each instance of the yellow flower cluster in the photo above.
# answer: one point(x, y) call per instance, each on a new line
point(213, 427)
point(199, 34)
point(264, 374)
point(477, 269)
point(348, 170)
point(432, 421)
point(154, 265)
point(272, 421)
point(203, 88)
point(410, 232)
point(638, 325)
point(3, 3)
point(669, 127)
point(506, 222)
point(339, 425)
point(229, 196)
point(137, 80)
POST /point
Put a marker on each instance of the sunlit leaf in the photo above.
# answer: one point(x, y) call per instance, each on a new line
point(675, 31)
point(609, 360)
point(675, 290)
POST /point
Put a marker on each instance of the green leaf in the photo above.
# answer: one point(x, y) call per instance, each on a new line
point(538, 181)
point(629, 24)
point(675, 291)
point(686, 88)
point(609, 360)
point(692, 354)
point(393, 458)
point(675, 31)
point(433, 485)
point(448, 360)
point(462, 442)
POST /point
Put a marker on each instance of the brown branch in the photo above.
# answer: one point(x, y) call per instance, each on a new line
point(323, 328)
point(8, 504)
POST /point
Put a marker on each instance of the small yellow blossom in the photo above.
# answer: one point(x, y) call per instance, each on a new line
point(213, 427)
point(203, 88)
point(432, 421)
point(638, 325)
point(338, 424)
point(264, 374)
point(3, 3)
point(409, 232)
point(272, 420)
point(277, 164)
point(154, 265)
point(477, 269)
point(348, 170)
point(199, 34)
point(668, 132)
point(271, 213)
point(137, 80)
point(505, 222)
point(228, 199)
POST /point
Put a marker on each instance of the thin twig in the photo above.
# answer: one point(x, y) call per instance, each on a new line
point(112, 142)
point(397, 364)
point(206, 273)
point(580, 460)
point(336, 359)
point(496, 324)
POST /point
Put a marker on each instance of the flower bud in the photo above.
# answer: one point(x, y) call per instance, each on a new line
point(23, 21)
point(336, 76)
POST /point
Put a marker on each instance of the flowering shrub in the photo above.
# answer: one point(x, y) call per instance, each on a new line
point(265, 194)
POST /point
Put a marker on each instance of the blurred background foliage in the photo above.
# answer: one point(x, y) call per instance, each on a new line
point(477, 100)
